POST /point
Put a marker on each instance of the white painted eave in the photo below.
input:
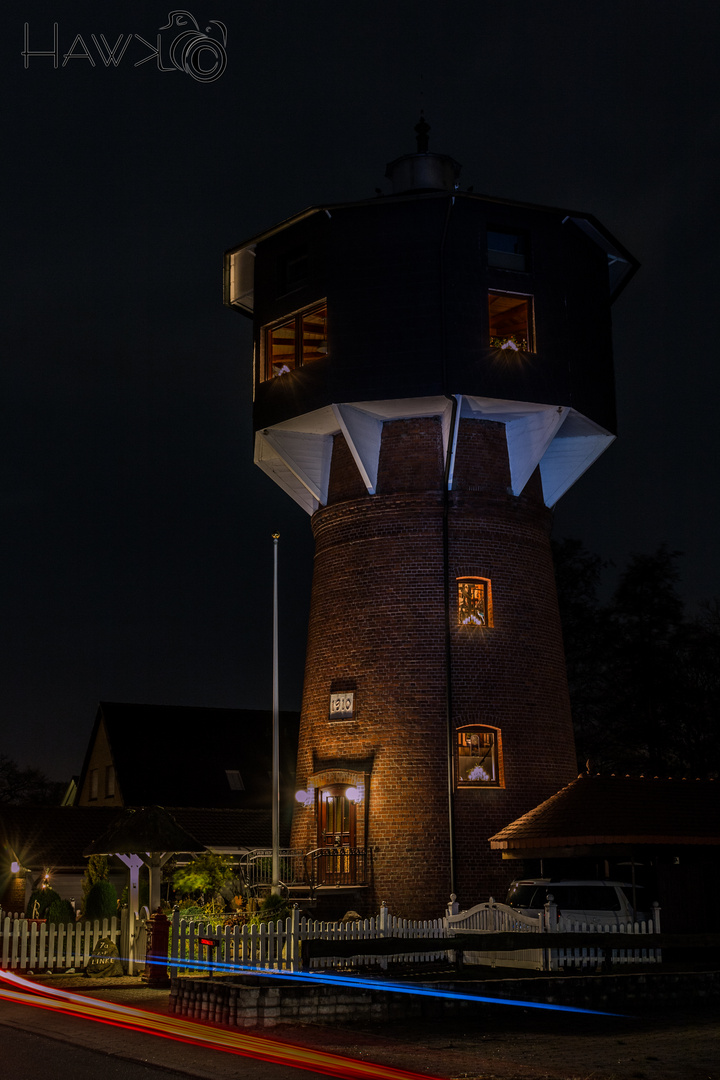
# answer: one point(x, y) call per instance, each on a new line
point(297, 452)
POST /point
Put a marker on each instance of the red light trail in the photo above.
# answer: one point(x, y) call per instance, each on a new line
point(21, 991)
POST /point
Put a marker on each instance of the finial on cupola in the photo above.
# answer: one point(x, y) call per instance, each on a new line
point(423, 171)
point(421, 130)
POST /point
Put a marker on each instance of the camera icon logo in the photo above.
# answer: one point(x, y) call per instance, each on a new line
point(200, 54)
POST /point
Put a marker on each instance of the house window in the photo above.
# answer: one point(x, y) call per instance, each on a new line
point(93, 783)
point(474, 602)
point(477, 757)
point(295, 270)
point(109, 781)
point(507, 251)
point(511, 322)
point(295, 342)
point(235, 780)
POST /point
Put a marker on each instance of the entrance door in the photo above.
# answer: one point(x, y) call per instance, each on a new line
point(337, 818)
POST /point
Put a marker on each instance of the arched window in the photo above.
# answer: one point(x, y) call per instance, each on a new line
point(477, 757)
point(474, 601)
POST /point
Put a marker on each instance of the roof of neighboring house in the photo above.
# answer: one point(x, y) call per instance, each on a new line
point(228, 829)
point(615, 810)
point(181, 755)
point(150, 828)
point(51, 836)
point(56, 837)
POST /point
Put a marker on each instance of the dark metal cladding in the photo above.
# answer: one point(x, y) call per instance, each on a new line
point(407, 280)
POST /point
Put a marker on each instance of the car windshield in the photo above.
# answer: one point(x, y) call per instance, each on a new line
point(593, 896)
point(526, 895)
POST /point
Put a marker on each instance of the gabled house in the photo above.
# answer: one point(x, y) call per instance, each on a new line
point(180, 756)
point(211, 768)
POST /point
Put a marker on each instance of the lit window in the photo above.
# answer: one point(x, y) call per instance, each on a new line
point(510, 322)
point(296, 341)
point(93, 783)
point(477, 757)
point(508, 251)
point(109, 782)
point(474, 602)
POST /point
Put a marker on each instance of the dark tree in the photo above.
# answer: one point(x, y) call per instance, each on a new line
point(586, 642)
point(644, 680)
point(26, 786)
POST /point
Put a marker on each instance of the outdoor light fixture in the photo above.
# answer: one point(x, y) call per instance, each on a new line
point(305, 797)
point(14, 867)
point(353, 795)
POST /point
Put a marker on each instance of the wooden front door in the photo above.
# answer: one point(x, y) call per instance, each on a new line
point(337, 818)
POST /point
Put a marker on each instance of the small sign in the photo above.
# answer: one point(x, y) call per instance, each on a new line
point(342, 706)
point(104, 961)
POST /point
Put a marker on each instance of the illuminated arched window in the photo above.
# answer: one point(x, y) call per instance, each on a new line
point(477, 757)
point(474, 602)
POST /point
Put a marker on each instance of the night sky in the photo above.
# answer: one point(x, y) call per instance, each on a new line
point(136, 532)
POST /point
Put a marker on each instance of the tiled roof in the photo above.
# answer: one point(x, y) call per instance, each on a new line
point(150, 828)
point(597, 810)
point(57, 836)
point(51, 836)
point(227, 828)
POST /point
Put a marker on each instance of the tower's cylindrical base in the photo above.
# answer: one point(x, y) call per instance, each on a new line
point(395, 574)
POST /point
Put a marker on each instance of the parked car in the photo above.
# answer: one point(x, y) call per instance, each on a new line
point(582, 901)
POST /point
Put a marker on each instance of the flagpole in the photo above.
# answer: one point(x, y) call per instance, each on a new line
point(275, 733)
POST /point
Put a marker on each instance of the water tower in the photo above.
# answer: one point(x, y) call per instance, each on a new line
point(432, 371)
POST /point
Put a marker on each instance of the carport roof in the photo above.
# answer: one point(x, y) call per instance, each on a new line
point(602, 811)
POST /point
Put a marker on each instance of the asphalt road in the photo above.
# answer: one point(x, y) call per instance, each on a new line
point(39, 1043)
point(26, 1053)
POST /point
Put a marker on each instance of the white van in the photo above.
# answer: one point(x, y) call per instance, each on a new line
point(604, 902)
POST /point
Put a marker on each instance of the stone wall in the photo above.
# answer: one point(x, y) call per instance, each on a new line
point(259, 1001)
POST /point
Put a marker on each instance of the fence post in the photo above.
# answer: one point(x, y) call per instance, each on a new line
point(453, 907)
point(550, 926)
point(174, 940)
point(383, 930)
point(551, 914)
point(125, 938)
point(7, 926)
point(293, 947)
point(656, 917)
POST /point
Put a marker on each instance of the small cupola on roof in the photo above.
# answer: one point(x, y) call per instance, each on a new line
point(423, 171)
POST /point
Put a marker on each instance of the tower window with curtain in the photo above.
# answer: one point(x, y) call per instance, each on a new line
point(296, 341)
point(477, 757)
point(474, 602)
point(511, 322)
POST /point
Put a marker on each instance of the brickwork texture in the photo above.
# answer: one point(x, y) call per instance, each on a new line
point(378, 626)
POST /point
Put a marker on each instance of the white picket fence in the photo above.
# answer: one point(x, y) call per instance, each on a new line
point(591, 957)
point(29, 945)
point(496, 917)
point(486, 918)
point(276, 945)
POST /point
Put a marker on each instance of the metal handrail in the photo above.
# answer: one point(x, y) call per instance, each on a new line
point(337, 865)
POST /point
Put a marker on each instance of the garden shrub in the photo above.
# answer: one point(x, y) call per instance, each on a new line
point(272, 909)
point(61, 911)
point(101, 901)
point(96, 870)
point(44, 898)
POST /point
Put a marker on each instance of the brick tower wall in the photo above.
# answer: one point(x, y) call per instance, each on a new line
point(377, 627)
